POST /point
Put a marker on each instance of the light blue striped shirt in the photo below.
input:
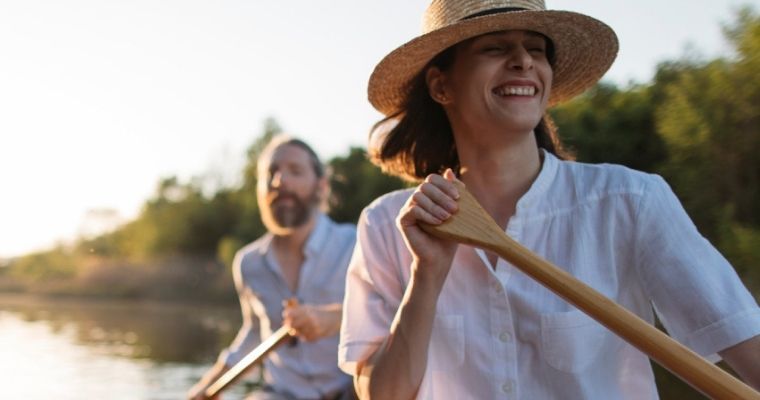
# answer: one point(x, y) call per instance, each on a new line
point(308, 370)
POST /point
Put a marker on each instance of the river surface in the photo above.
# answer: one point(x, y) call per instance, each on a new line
point(68, 349)
point(73, 349)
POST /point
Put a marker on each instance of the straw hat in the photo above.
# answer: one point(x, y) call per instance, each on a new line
point(584, 47)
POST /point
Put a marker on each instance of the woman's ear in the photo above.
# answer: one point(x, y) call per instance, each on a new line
point(436, 83)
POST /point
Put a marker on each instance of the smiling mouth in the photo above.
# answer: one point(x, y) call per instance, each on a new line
point(515, 90)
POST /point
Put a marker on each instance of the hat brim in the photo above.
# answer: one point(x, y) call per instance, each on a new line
point(584, 50)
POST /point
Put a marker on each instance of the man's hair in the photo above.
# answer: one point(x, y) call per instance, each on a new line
point(422, 141)
point(285, 140)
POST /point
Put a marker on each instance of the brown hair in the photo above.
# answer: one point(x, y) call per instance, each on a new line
point(422, 142)
point(284, 140)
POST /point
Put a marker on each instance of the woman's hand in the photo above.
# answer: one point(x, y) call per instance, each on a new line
point(398, 365)
point(433, 202)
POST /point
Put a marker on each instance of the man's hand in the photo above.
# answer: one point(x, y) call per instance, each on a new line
point(197, 393)
point(313, 322)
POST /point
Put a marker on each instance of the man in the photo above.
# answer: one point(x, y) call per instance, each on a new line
point(304, 256)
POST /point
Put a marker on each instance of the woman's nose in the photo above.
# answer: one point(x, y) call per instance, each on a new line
point(520, 59)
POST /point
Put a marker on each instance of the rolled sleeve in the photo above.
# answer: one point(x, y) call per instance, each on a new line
point(698, 295)
point(248, 337)
point(725, 333)
point(373, 290)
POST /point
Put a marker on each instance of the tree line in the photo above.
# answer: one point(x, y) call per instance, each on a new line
point(697, 123)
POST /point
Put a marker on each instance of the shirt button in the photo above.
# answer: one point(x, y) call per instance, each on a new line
point(507, 387)
point(505, 337)
point(498, 288)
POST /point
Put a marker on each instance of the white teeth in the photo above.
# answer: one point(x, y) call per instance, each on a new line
point(516, 91)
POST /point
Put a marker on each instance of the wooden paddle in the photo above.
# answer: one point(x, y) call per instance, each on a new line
point(474, 226)
point(279, 337)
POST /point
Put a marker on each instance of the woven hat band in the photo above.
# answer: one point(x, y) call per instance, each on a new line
point(442, 13)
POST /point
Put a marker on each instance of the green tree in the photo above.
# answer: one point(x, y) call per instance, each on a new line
point(45, 266)
point(178, 219)
point(354, 183)
point(607, 124)
point(710, 121)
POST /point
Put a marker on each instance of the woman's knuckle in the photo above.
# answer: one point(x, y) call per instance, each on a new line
point(418, 197)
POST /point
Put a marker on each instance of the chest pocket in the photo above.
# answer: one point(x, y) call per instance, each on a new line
point(446, 352)
point(573, 341)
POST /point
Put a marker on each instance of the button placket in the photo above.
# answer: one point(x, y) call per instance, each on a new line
point(502, 332)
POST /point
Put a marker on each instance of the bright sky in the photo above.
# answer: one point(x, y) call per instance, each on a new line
point(99, 99)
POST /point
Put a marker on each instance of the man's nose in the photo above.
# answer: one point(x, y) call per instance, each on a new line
point(276, 180)
point(281, 180)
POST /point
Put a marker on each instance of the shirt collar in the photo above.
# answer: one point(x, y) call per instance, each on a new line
point(318, 236)
point(542, 183)
point(314, 242)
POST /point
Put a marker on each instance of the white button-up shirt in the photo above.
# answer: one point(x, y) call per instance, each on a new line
point(308, 370)
point(499, 334)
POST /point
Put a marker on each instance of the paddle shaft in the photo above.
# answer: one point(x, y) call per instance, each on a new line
point(272, 342)
point(474, 226)
point(701, 374)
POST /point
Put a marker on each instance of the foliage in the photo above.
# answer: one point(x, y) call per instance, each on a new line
point(741, 244)
point(607, 124)
point(710, 121)
point(354, 183)
point(45, 266)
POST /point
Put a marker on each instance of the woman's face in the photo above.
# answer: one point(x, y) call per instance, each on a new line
point(499, 80)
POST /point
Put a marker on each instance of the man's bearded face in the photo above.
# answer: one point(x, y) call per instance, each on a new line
point(288, 189)
point(290, 210)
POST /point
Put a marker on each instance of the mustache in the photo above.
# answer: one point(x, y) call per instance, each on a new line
point(276, 196)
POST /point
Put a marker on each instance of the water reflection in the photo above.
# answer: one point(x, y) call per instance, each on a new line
point(75, 349)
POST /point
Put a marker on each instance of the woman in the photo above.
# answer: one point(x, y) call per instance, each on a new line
point(429, 318)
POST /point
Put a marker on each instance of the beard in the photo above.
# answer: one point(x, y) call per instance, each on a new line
point(284, 210)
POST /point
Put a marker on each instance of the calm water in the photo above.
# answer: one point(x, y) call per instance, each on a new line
point(73, 349)
point(83, 350)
